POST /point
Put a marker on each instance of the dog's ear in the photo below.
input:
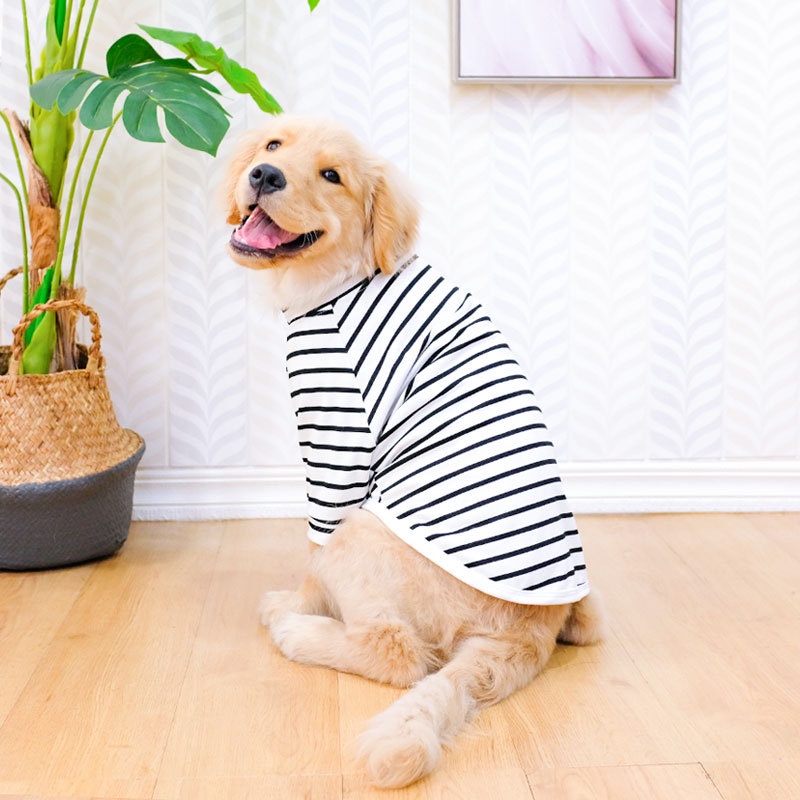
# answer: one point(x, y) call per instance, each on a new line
point(394, 217)
point(243, 154)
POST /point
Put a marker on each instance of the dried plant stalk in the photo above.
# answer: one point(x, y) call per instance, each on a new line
point(45, 221)
point(66, 354)
point(45, 218)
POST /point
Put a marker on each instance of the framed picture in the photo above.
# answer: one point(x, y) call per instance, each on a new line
point(566, 41)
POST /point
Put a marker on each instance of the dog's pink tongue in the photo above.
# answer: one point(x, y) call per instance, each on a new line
point(262, 233)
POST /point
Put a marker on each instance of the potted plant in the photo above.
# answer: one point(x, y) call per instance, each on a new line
point(144, 92)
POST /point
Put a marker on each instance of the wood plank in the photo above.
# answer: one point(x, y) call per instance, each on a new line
point(148, 676)
point(447, 784)
point(244, 709)
point(593, 705)
point(648, 782)
point(124, 796)
point(96, 713)
point(778, 542)
point(756, 632)
point(757, 780)
point(266, 787)
point(729, 552)
point(32, 608)
point(699, 649)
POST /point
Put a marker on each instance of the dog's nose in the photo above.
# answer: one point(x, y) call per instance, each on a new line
point(266, 179)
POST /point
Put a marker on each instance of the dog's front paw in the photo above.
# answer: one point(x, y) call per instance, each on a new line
point(278, 612)
point(275, 604)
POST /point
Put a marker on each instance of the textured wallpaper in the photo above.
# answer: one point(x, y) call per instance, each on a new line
point(639, 245)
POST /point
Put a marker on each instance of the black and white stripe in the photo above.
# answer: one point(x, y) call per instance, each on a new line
point(410, 403)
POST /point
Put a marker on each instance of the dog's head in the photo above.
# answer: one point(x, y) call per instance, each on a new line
point(305, 195)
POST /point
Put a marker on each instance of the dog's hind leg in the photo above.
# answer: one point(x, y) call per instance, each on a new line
point(404, 743)
point(346, 614)
point(585, 623)
point(384, 650)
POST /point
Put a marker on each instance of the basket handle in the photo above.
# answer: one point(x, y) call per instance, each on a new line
point(8, 276)
point(95, 361)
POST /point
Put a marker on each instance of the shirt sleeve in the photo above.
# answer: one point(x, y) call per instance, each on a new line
point(336, 443)
point(336, 450)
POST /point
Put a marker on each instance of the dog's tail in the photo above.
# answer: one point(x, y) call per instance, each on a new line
point(405, 742)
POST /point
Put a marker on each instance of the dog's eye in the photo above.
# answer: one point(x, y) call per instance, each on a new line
point(273, 145)
point(331, 175)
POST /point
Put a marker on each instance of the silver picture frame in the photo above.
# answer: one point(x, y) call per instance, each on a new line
point(495, 41)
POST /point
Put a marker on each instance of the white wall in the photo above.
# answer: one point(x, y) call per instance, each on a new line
point(640, 246)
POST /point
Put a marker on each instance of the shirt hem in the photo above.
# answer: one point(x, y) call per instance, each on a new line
point(534, 597)
point(317, 537)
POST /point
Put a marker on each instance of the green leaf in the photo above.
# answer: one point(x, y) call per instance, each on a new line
point(207, 56)
point(312, 4)
point(70, 97)
point(159, 91)
point(128, 51)
point(59, 17)
point(42, 295)
point(38, 355)
point(97, 111)
point(191, 114)
point(197, 129)
point(45, 91)
point(190, 111)
point(140, 118)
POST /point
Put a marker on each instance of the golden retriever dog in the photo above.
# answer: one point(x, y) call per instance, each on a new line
point(444, 557)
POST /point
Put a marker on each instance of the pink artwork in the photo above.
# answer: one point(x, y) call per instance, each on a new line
point(566, 40)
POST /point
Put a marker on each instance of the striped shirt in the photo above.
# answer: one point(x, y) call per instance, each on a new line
point(410, 404)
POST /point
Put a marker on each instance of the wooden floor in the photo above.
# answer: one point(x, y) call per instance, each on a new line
point(148, 676)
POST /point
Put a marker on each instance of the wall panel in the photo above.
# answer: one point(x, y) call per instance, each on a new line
point(639, 245)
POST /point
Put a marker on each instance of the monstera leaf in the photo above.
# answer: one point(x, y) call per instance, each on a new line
point(168, 91)
point(209, 57)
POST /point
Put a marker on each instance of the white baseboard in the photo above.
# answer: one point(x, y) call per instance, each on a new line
point(593, 488)
point(683, 486)
point(218, 493)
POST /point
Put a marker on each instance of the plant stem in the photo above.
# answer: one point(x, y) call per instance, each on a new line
point(66, 54)
point(88, 30)
point(22, 204)
point(65, 34)
point(68, 213)
point(87, 191)
point(27, 35)
point(69, 38)
point(23, 231)
point(17, 158)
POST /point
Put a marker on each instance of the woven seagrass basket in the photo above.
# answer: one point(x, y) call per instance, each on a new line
point(66, 464)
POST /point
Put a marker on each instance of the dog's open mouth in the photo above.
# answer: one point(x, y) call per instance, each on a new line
point(260, 235)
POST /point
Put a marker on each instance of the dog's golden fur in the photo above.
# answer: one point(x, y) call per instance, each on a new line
point(370, 604)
